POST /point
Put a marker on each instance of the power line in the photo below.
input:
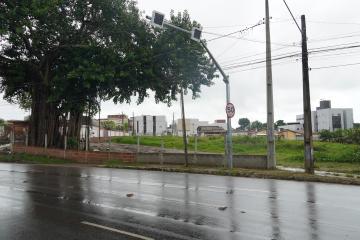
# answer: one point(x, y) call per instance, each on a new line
point(335, 47)
point(239, 31)
point(335, 66)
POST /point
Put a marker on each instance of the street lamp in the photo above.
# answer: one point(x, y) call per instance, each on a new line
point(158, 20)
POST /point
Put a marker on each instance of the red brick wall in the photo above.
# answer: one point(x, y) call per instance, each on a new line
point(77, 156)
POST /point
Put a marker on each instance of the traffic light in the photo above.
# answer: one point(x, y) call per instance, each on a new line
point(196, 34)
point(157, 19)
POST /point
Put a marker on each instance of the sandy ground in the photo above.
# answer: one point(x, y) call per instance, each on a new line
point(116, 147)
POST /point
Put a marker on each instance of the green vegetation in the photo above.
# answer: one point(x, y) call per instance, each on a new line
point(26, 158)
point(329, 156)
point(350, 136)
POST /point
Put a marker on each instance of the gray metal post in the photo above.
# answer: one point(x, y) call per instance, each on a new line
point(229, 151)
point(138, 143)
point(229, 131)
point(86, 140)
point(26, 139)
point(271, 158)
point(308, 148)
point(65, 146)
point(46, 141)
point(162, 152)
point(12, 141)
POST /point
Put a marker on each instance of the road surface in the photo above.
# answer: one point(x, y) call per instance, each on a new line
point(47, 202)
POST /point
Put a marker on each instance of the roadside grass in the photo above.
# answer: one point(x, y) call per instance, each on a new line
point(334, 157)
point(26, 158)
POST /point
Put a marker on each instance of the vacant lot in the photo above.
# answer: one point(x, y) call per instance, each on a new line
point(328, 156)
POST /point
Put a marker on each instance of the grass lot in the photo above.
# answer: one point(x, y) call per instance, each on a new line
point(25, 158)
point(329, 156)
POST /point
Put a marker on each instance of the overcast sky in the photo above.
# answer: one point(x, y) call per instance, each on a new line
point(329, 24)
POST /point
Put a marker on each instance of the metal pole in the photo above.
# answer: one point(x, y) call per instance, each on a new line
point(229, 147)
point(308, 148)
point(271, 158)
point(99, 122)
point(229, 130)
point(133, 125)
point(46, 141)
point(138, 143)
point(184, 127)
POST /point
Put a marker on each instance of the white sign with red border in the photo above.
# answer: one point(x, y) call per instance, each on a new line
point(230, 110)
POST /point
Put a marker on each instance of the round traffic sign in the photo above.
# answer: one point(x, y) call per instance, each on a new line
point(230, 110)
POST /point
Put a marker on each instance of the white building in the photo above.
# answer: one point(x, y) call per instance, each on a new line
point(147, 125)
point(193, 124)
point(326, 118)
point(296, 127)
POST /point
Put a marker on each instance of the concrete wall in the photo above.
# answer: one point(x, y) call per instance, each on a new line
point(77, 156)
point(204, 159)
point(201, 159)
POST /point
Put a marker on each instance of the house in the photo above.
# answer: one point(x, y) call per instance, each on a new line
point(19, 128)
point(290, 135)
point(192, 125)
point(210, 131)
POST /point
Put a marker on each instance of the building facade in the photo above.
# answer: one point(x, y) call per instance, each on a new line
point(147, 125)
point(192, 126)
point(325, 118)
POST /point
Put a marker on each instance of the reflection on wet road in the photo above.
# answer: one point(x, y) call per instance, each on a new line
point(47, 202)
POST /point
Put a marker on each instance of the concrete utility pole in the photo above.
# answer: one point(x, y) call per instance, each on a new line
point(271, 158)
point(184, 127)
point(308, 148)
point(308, 144)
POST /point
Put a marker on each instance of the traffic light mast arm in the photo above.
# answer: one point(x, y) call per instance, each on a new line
point(226, 78)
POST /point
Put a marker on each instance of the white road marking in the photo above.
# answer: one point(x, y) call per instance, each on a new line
point(117, 231)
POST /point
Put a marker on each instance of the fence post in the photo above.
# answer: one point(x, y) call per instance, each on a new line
point(65, 146)
point(26, 141)
point(196, 148)
point(46, 144)
point(12, 141)
point(162, 152)
point(109, 145)
point(138, 143)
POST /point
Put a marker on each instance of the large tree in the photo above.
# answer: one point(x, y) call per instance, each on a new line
point(244, 123)
point(59, 57)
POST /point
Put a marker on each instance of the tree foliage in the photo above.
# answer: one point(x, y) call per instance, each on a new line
point(244, 123)
point(60, 57)
point(257, 125)
point(279, 123)
point(109, 125)
point(350, 136)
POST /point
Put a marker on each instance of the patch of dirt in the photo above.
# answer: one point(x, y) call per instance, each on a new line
point(117, 147)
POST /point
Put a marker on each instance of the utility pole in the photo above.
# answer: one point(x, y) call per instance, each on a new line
point(271, 158)
point(308, 148)
point(309, 160)
point(184, 127)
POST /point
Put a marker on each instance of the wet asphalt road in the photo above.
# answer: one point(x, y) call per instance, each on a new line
point(46, 202)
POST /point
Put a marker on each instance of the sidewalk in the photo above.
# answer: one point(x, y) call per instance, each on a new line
point(277, 174)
